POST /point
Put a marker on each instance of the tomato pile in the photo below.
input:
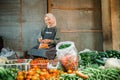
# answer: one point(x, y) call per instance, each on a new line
point(70, 62)
point(42, 63)
point(35, 73)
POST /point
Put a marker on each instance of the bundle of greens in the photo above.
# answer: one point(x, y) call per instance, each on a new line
point(113, 53)
point(8, 74)
point(102, 74)
point(91, 58)
point(87, 58)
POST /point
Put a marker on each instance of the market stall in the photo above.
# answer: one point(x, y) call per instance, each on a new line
point(69, 64)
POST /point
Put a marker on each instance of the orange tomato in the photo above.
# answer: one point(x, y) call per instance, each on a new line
point(35, 77)
point(50, 70)
point(54, 74)
point(29, 77)
point(20, 73)
point(55, 70)
point(31, 72)
point(44, 70)
point(36, 74)
point(42, 78)
point(35, 67)
point(47, 76)
point(20, 77)
point(69, 71)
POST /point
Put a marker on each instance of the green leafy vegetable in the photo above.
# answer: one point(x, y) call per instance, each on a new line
point(63, 46)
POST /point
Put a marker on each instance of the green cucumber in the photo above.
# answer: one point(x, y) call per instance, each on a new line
point(100, 61)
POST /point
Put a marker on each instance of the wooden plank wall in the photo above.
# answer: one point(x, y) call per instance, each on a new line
point(33, 12)
point(9, 23)
point(21, 22)
point(111, 24)
point(115, 23)
point(106, 24)
point(79, 21)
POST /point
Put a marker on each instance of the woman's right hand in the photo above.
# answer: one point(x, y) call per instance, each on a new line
point(47, 41)
point(44, 40)
point(40, 40)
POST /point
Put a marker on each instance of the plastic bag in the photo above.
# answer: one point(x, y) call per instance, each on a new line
point(6, 52)
point(112, 63)
point(67, 55)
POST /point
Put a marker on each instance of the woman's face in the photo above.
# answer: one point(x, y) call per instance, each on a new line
point(49, 21)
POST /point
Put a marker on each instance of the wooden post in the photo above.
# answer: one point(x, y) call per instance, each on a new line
point(21, 25)
point(115, 20)
point(49, 6)
point(106, 25)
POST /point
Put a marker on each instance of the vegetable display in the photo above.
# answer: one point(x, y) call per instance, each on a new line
point(42, 63)
point(113, 54)
point(8, 74)
point(87, 58)
point(102, 74)
point(97, 57)
point(88, 65)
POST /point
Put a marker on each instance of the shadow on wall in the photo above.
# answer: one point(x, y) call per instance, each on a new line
point(1, 43)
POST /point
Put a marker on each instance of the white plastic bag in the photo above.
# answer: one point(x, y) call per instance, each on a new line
point(112, 63)
point(6, 52)
point(67, 55)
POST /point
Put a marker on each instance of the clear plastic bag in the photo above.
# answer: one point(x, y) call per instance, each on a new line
point(67, 55)
point(6, 52)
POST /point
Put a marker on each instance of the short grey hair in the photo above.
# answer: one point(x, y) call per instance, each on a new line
point(51, 16)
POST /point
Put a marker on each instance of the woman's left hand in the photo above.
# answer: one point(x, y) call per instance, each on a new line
point(47, 41)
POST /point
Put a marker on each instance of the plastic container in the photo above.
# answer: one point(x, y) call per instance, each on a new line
point(40, 62)
point(44, 63)
point(21, 64)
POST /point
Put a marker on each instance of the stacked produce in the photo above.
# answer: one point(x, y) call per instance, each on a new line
point(97, 58)
point(68, 65)
point(93, 74)
point(102, 74)
point(35, 73)
point(42, 63)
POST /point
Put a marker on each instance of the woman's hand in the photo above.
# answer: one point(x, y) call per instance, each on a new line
point(43, 45)
point(40, 40)
point(47, 41)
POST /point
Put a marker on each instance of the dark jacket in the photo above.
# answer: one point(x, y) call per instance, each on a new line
point(47, 33)
point(51, 33)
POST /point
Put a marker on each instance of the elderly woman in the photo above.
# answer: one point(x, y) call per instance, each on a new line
point(48, 39)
